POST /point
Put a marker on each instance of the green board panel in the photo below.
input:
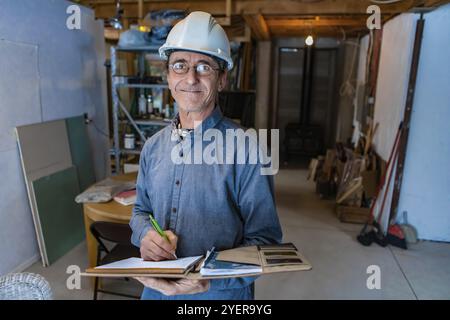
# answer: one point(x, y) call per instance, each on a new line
point(60, 216)
point(79, 148)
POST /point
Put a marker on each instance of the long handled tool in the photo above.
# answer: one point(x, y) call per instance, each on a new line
point(378, 235)
point(366, 237)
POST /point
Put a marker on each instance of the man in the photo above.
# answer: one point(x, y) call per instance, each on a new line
point(199, 206)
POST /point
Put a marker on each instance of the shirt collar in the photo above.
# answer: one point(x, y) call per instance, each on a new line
point(210, 122)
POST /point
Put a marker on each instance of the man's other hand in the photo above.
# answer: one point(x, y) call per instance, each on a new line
point(175, 287)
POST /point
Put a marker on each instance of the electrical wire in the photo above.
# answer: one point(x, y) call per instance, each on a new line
point(98, 129)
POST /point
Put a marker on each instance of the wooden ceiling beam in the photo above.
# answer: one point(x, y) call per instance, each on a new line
point(247, 37)
point(315, 23)
point(435, 3)
point(258, 26)
point(106, 8)
point(322, 34)
point(275, 29)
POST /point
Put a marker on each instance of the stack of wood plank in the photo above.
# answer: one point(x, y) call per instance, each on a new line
point(350, 176)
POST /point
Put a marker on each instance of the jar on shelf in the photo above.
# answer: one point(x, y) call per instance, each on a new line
point(129, 141)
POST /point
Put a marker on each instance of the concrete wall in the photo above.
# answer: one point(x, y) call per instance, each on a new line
point(263, 84)
point(425, 191)
point(47, 72)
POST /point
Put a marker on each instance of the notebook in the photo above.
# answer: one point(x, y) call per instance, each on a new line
point(138, 265)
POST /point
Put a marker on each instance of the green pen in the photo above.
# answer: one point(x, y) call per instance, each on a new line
point(158, 229)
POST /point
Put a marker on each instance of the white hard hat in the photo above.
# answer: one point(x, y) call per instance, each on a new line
point(199, 32)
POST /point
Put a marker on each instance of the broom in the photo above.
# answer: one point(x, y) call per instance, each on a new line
point(366, 236)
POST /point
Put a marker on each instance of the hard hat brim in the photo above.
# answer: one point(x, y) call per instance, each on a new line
point(163, 50)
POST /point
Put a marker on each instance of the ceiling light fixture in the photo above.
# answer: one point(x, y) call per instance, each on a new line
point(115, 21)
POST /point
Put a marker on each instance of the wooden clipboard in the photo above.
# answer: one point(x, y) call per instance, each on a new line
point(256, 255)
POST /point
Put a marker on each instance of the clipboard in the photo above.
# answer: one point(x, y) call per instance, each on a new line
point(271, 258)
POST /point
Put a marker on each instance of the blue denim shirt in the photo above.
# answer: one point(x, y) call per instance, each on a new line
point(205, 205)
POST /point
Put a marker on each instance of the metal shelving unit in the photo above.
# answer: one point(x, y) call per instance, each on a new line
point(117, 82)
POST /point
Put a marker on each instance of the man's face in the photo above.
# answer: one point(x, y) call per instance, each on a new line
point(194, 92)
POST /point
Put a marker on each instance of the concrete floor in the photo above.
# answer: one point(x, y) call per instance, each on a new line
point(339, 261)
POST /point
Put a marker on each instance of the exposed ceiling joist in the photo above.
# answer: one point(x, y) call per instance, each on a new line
point(435, 3)
point(258, 25)
point(106, 8)
point(270, 18)
point(299, 23)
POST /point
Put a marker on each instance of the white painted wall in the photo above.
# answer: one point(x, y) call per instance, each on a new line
point(425, 193)
point(392, 85)
point(47, 72)
point(392, 82)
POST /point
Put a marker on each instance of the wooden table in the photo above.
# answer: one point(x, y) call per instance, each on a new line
point(109, 211)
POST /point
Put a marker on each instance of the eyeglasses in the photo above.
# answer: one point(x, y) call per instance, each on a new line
point(202, 69)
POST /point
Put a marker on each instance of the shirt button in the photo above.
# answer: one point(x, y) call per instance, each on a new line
point(177, 182)
point(174, 210)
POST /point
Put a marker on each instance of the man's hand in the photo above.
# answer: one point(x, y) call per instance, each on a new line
point(175, 287)
point(156, 248)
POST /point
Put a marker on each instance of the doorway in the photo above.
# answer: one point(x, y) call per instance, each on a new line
point(305, 109)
